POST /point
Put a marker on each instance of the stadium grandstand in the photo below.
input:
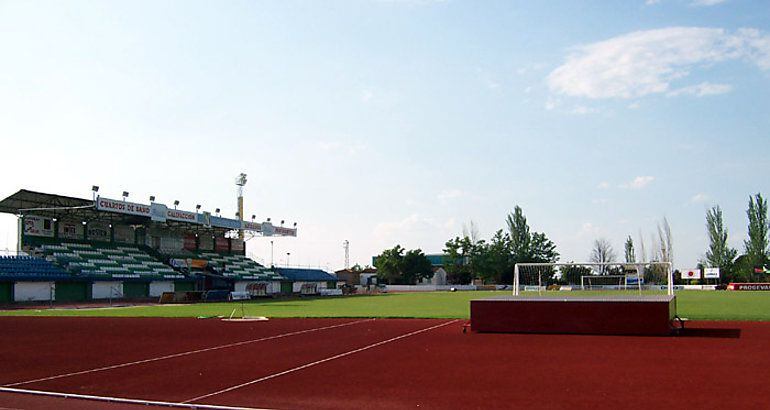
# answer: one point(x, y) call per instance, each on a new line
point(75, 249)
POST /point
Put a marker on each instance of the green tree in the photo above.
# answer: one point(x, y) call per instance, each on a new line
point(720, 254)
point(415, 267)
point(388, 265)
point(630, 254)
point(457, 264)
point(518, 229)
point(571, 274)
point(756, 245)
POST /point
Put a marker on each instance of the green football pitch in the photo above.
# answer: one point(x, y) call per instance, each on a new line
point(697, 305)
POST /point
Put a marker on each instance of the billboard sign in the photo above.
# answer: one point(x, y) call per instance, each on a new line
point(122, 207)
point(38, 226)
point(691, 274)
point(711, 273)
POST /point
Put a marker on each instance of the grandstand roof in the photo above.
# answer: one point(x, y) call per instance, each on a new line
point(43, 204)
point(309, 275)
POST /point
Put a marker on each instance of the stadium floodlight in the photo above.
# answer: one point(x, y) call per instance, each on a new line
point(268, 219)
point(217, 211)
point(282, 222)
point(152, 198)
point(197, 207)
point(125, 195)
point(295, 224)
point(176, 203)
point(95, 188)
point(237, 214)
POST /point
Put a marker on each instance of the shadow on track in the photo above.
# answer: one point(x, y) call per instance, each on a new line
point(717, 333)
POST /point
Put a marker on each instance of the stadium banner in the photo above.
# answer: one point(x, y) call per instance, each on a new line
point(158, 212)
point(182, 216)
point(178, 263)
point(711, 273)
point(70, 230)
point(749, 286)
point(197, 263)
point(121, 207)
point(281, 231)
point(236, 244)
point(38, 226)
point(219, 222)
point(98, 231)
point(206, 243)
point(222, 245)
point(268, 229)
point(252, 226)
point(205, 219)
point(691, 274)
point(189, 242)
point(123, 233)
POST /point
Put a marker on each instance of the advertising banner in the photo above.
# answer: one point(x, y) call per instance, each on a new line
point(222, 245)
point(98, 231)
point(252, 226)
point(691, 274)
point(124, 234)
point(281, 231)
point(38, 226)
point(189, 242)
point(181, 216)
point(220, 222)
point(206, 243)
point(236, 244)
point(197, 263)
point(711, 273)
point(122, 207)
point(70, 230)
point(749, 286)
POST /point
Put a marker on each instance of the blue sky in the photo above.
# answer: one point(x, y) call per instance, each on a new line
point(385, 122)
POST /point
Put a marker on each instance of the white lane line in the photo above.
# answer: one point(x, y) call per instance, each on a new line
point(120, 400)
point(191, 352)
point(317, 362)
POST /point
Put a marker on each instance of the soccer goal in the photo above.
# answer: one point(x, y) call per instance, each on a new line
point(623, 278)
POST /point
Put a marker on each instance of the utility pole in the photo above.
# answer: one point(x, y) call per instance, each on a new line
point(240, 181)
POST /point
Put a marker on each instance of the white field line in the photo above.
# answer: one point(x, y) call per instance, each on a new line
point(317, 362)
point(181, 354)
point(121, 400)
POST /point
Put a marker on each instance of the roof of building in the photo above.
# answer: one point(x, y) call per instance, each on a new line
point(309, 275)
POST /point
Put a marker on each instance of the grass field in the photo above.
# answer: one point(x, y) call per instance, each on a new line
point(691, 304)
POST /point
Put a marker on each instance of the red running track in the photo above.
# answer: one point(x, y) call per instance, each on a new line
point(393, 363)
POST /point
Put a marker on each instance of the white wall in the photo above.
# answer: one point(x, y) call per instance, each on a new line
point(158, 287)
point(29, 291)
point(297, 286)
point(106, 290)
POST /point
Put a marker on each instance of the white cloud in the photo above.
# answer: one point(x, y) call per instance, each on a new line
point(410, 226)
point(448, 194)
point(638, 182)
point(603, 185)
point(583, 110)
point(701, 90)
point(651, 2)
point(699, 198)
point(648, 62)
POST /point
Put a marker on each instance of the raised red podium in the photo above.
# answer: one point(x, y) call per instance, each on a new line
point(607, 315)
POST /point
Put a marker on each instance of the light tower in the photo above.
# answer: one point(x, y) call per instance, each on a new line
point(346, 245)
point(240, 181)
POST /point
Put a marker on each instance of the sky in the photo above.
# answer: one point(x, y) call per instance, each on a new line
point(387, 122)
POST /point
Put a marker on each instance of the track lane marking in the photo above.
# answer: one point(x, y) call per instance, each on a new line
point(119, 400)
point(182, 354)
point(317, 362)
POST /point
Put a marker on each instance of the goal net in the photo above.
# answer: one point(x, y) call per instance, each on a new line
point(622, 278)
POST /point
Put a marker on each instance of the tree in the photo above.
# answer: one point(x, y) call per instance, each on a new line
point(719, 255)
point(571, 274)
point(602, 253)
point(415, 267)
point(757, 244)
point(665, 244)
point(458, 253)
point(388, 264)
point(629, 248)
point(518, 229)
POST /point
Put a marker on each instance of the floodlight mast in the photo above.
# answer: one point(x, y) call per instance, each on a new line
point(240, 181)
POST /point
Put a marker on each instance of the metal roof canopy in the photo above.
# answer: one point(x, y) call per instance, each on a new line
point(25, 202)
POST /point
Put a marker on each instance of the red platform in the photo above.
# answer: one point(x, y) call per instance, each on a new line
point(621, 315)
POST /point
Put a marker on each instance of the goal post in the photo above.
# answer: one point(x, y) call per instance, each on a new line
point(619, 277)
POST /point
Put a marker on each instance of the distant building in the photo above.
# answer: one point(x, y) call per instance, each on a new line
point(353, 277)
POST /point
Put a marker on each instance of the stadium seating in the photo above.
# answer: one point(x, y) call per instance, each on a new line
point(29, 268)
point(118, 262)
point(239, 267)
